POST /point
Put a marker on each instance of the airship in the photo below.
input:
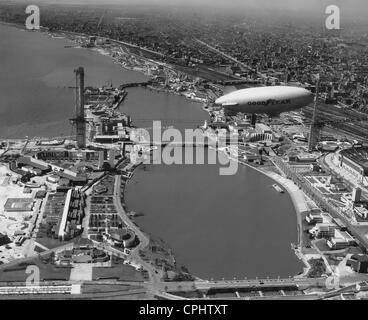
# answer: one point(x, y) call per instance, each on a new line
point(269, 100)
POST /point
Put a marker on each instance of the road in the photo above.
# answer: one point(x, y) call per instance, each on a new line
point(143, 239)
point(155, 286)
point(360, 233)
point(167, 290)
point(224, 54)
point(154, 274)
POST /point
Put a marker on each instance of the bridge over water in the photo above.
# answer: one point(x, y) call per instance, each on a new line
point(201, 285)
point(176, 144)
point(243, 284)
point(135, 84)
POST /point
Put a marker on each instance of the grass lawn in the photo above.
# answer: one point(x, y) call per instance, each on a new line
point(47, 271)
point(121, 272)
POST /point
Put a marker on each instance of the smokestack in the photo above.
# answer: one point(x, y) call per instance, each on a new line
point(79, 108)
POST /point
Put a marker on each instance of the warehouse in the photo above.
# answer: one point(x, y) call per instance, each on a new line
point(63, 154)
point(32, 165)
point(18, 204)
point(355, 160)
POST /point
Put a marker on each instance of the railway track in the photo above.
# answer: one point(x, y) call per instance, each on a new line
point(349, 123)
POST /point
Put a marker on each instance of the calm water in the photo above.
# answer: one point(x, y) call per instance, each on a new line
point(35, 70)
point(172, 110)
point(217, 226)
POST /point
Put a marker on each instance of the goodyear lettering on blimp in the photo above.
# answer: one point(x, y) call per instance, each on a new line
point(266, 99)
point(269, 102)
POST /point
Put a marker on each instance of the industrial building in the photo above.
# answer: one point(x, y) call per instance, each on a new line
point(361, 211)
point(72, 177)
point(323, 230)
point(341, 240)
point(262, 128)
point(359, 263)
point(63, 154)
point(63, 214)
point(18, 204)
point(33, 166)
point(355, 160)
point(108, 126)
point(314, 218)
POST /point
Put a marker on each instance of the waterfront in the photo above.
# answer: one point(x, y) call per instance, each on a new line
point(145, 105)
point(36, 74)
point(217, 226)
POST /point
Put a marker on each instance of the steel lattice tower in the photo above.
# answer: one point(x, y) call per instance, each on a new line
point(315, 127)
point(79, 109)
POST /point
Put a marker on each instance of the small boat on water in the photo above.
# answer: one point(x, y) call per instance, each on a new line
point(278, 188)
point(135, 214)
point(55, 142)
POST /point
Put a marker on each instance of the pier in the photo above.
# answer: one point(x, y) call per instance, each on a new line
point(134, 84)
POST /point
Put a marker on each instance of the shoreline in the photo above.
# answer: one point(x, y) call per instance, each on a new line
point(296, 195)
point(297, 198)
point(279, 179)
point(152, 238)
point(300, 205)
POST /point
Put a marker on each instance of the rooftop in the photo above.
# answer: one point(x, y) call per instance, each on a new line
point(35, 163)
point(358, 155)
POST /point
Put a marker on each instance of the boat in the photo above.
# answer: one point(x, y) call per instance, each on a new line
point(277, 188)
point(135, 214)
point(54, 142)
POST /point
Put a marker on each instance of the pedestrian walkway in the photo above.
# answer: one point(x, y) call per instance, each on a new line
point(81, 272)
point(297, 195)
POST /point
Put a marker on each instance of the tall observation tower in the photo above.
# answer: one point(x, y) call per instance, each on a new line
point(79, 108)
point(315, 127)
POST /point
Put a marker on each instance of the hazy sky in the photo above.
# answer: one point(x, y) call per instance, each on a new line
point(347, 7)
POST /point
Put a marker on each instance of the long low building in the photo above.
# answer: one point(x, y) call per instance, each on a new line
point(34, 163)
point(18, 204)
point(341, 240)
point(64, 217)
point(64, 154)
point(35, 289)
point(355, 160)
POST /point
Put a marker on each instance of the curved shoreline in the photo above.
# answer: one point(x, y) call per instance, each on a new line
point(298, 200)
point(300, 205)
point(288, 185)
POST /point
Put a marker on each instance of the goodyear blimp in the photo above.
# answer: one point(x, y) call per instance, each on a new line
point(268, 100)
